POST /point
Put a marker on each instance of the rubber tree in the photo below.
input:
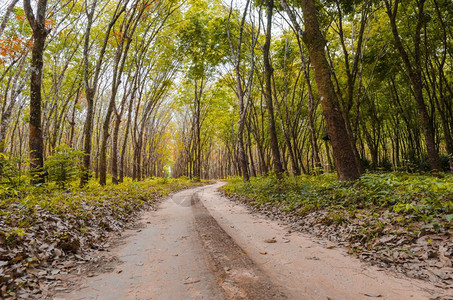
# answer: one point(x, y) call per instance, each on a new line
point(276, 159)
point(127, 28)
point(91, 79)
point(414, 70)
point(243, 83)
point(203, 41)
point(40, 32)
point(346, 165)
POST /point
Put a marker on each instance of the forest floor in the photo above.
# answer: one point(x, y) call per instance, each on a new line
point(200, 245)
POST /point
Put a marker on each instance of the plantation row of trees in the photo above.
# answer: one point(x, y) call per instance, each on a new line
point(90, 74)
point(212, 89)
point(323, 85)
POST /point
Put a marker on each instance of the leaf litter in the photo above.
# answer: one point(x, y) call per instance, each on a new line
point(40, 246)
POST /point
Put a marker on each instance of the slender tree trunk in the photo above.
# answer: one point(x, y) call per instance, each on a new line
point(311, 100)
point(126, 135)
point(311, 124)
point(73, 122)
point(252, 163)
point(197, 131)
point(198, 137)
point(6, 115)
point(295, 165)
point(137, 162)
point(87, 130)
point(276, 158)
point(89, 95)
point(120, 58)
point(9, 10)
point(415, 76)
point(115, 153)
point(241, 148)
point(241, 95)
point(91, 88)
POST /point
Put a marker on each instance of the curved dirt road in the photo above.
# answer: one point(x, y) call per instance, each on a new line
point(199, 245)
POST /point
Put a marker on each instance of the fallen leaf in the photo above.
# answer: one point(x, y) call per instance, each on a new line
point(69, 264)
point(270, 241)
point(443, 258)
point(55, 271)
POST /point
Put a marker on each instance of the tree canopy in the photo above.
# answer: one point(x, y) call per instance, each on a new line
point(208, 89)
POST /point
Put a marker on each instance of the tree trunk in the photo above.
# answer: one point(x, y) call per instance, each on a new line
point(87, 131)
point(36, 143)
point(116, 131)
point(276, 159)
point(415, 77)
point(286, 136)
point(197, 131)
point(346, 165)
point(241, 94)
point(15, 92)
point(90, 88)
point(311, 123)
point(311, 100)
point(118, 66)
point(252, 163)
point(123, 149)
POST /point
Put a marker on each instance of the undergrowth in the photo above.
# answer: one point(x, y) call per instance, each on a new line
point(23, 208)
point(408, 198)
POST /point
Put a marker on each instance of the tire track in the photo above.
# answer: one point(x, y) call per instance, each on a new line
point(236, 273)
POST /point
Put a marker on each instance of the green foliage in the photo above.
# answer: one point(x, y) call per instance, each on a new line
point(203, 39)
point(63, 165)
point(11, 175)
point(92, 203)
point(419, 198)
point(15, 234)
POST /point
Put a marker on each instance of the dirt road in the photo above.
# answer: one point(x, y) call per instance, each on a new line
point(199, 245)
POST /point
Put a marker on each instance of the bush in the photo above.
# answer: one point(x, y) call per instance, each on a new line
point(64, 165)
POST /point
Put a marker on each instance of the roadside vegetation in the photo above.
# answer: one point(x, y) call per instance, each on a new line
point(47, 231)
point(398, 220)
